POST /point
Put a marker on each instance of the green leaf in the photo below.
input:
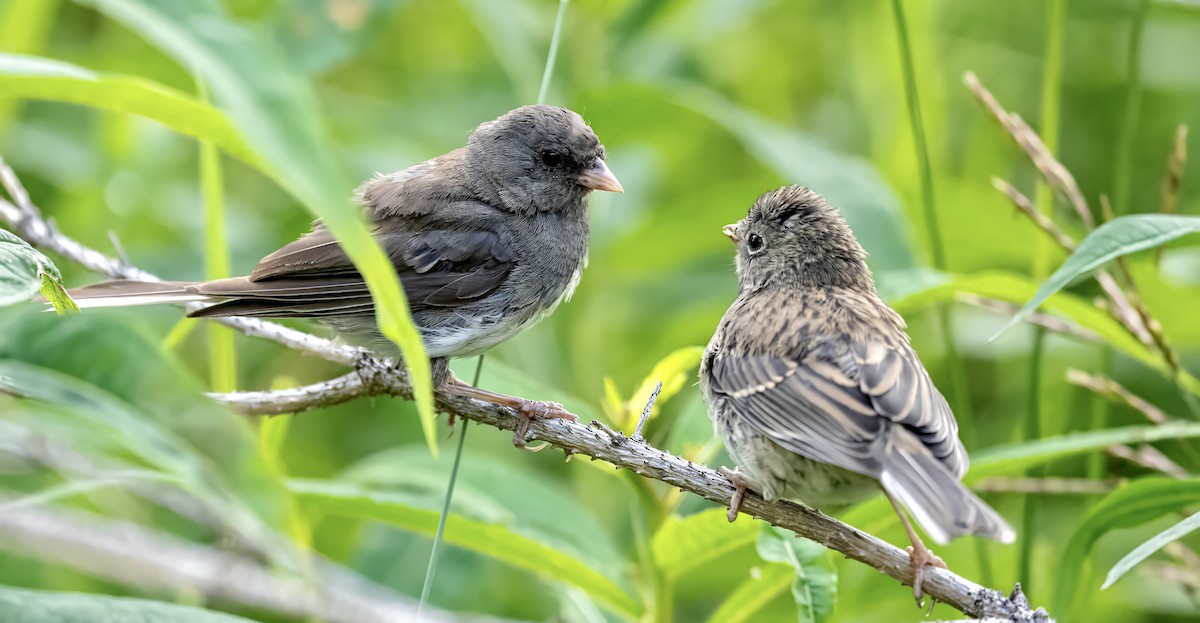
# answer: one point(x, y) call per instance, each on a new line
point(1131, 505)
point(1155, 543)
point(41, 78)
point(278, 114)
point(494, 540)
point(52, 289)
point(1120, 236)
point(106, 392)
point(673, 371)
point(683, 544)
point(19, 270)
point(1016, 289)
point(754, 594)
point(19, 605)
point(815, 584)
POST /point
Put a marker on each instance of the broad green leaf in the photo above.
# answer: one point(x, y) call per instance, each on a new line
point(494, 540)
point(1120, 236)
point(1016, 289)
point(1131, 505)
point(497, 490)
point(752, 595)
point(18, 605)
point(41, 78)
point(1157, 542)
point(278, 114)
point(814, 585)
point(101, 389)
point(683, 544)
point(19, 270)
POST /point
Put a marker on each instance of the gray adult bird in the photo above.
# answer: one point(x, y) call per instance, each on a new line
point(815, 390)
point(486, 239)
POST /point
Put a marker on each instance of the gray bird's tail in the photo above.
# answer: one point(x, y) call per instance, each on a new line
point(127, 293)
point(943, 506)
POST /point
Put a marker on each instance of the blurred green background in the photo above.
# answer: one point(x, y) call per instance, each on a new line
point(702, 106)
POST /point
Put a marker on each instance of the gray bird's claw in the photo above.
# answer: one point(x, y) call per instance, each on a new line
point(530, 409)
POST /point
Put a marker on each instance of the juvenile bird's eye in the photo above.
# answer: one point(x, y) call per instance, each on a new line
point(552, 159)
point(754, 242)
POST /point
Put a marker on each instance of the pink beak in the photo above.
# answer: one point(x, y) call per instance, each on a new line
point(600, 178)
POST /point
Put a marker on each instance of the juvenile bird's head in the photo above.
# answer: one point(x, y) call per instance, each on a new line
point(540, 159)
point(792, 237)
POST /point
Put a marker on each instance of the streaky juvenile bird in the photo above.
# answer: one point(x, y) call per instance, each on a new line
point(813, 386)
point(486, 239)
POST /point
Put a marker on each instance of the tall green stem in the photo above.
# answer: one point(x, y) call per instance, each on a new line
point(1037, 421)
point(222, 355)
point(1122, 168)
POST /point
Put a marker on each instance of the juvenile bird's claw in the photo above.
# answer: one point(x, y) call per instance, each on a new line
point(740, 484)
point(919, 558)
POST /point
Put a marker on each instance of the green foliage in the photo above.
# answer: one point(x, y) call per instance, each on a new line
point(1143, 551)
point(1131, 505)
point(702, 105)
point(28, 606)
point(1116, 238)
point(815, 586)
point(25, 272)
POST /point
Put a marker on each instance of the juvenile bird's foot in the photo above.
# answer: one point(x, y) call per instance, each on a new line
point(920, 557)
point(741, 483)
point(526, 410)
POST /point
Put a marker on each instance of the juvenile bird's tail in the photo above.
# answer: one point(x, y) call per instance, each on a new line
point(127, 293)
point(943, 506)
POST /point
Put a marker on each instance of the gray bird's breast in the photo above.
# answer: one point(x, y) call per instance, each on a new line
point(551, 256)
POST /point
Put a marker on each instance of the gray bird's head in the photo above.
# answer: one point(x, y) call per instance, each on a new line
point(540, 159)
point(791, 237)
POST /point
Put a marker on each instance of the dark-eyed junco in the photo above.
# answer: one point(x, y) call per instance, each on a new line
point(486, 239)
point(813, 386)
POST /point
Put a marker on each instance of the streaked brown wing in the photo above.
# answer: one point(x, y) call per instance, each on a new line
point(839, 404)
point(313, 276)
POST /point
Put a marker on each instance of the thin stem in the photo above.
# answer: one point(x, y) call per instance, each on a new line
point(1032, 431)
point(1123, 169)
point(431, 568)
point(222, 355)
point(553, 54)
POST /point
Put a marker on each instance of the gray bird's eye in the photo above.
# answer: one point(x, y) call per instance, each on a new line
point(551, 159)
point(754, 243)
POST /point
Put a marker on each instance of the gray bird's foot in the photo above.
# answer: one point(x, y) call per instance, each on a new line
point(741, 483)
point(527, 410)
point(920, 557)
point(530, 409)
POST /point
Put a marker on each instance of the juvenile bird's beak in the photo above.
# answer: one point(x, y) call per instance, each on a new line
point(731, 232)
point(600, 178)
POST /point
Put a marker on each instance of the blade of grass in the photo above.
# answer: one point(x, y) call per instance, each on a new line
point(955, 368)
point(1037, 421)
point(222, 356)
point(1123, 168)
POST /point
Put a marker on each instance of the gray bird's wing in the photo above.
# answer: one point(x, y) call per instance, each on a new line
point(313, 277)
point(856, 405)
